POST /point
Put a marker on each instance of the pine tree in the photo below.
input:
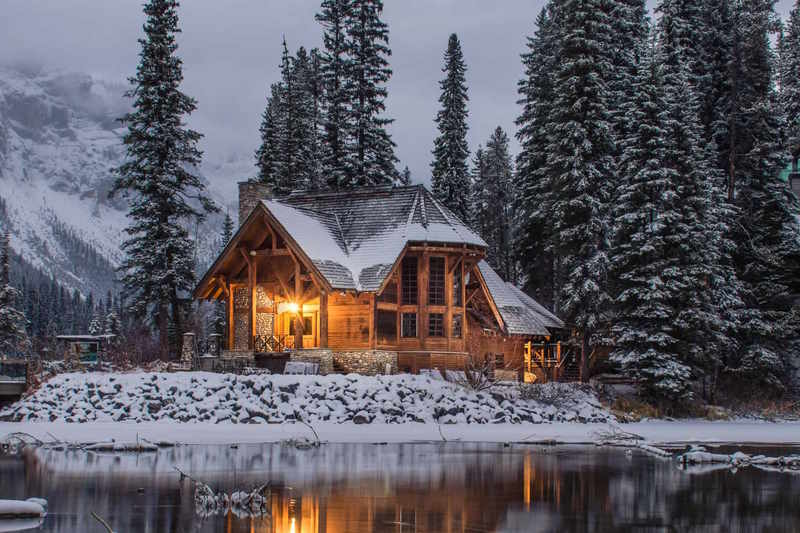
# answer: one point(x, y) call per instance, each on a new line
point(580, 163)
point(157, 177)
point(494, 210)
point(768, 252)
point(479, 208)
point(13, 335)
point(112, 324)
point(405, 176)
point(334, 66)
point(370, 150)
point(227, 231)
point(450, 175)
point(533, 240)
point(790, 82)
point(270, 132)
point(645, 255)
point(95, 326)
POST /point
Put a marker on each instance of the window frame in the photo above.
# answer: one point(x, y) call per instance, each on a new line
point(403, 325)
point(440, 319)
point(437, 283)
point(407, 280)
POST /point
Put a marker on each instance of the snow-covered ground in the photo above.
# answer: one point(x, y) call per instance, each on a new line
point(206, 408)
point(275, 399)
point(562, 432)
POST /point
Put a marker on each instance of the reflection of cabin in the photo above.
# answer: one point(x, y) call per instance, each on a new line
point(382, 276)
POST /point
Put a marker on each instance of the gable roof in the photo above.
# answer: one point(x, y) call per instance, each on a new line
point(354, 238)
point(521, 314)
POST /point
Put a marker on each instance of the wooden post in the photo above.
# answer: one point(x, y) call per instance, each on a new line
point(448, 301)
point(251, 290)
point(373, 317)
point(323, 319)
point(422, 299)
point(298, 319)
point(231, 340)
point(464, 303)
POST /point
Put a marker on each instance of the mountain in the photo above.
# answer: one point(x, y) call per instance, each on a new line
point(59, 141)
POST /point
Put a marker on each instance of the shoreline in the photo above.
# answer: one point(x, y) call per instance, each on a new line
point(656, 432)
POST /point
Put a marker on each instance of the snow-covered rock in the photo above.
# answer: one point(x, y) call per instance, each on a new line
point(221, 398)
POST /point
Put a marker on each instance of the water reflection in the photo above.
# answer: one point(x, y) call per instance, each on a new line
point(401, 489)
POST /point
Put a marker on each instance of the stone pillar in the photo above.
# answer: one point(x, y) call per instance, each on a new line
point(187, 353)
point(250, 193)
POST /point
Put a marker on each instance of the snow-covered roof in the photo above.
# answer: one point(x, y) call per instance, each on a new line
point(354, 238)
point(521, 314)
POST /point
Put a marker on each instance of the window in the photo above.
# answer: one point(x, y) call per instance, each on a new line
point(387, 327)
point(456, 329)
point(409, 325)
point(457, 301)
point(499, 360)
point(410, 281)
point(436, 325)
point(436, 281)
point(306, 325)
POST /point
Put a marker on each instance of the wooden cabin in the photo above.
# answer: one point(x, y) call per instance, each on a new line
point(373, 280)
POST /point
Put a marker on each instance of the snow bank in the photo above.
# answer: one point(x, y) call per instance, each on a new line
point(699, 455)
point(226, 398)
point(32, 508)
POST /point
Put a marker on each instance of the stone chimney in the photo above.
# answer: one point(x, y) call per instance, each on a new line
point(250, 193)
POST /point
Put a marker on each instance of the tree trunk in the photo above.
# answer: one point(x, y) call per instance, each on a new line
point(584, 363)
point(163, 330)
point(176, 319)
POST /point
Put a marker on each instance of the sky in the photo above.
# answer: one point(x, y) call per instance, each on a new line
point(231, 52)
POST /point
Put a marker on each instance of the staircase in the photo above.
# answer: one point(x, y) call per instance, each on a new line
point(570, 371)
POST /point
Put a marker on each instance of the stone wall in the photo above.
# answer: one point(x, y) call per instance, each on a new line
point(366, 362)
point(250, 193)
point(322, 356)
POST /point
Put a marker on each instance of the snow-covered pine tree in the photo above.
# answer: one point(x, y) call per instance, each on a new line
point(405, 176)
point(334, 65)
point(270, 132)
point(580, 165)
point(479, 215)
point(768, 252)
point(158, 177)
point(370, 149)
point(494, 193)
point(289, 155)
point(13, 335)
point(449, 170)
point(112, 324)
point(790, 81)
point(227, 231)
point(96, 325)
point(645, 262)
point(533, 242)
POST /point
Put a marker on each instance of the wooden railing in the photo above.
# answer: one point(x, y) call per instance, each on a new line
point(273, 343)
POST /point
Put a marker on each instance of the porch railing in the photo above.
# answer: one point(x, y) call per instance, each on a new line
point(273, 343)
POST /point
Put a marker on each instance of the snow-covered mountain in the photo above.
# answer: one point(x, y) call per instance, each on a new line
point(59, 140)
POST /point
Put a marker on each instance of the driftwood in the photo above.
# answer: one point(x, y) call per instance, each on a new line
point(207, 502)
point(103, 522)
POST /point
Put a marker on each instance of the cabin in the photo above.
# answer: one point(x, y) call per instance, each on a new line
point(372, 281)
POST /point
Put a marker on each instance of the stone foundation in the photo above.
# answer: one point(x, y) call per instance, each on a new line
point(366, 362)
point(322, 356)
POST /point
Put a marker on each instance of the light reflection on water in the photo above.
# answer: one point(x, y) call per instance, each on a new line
point(404, 488)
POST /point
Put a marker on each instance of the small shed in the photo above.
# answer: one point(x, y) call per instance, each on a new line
point(86, 349)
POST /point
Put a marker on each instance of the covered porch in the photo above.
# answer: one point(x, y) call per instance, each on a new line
point(275, 300)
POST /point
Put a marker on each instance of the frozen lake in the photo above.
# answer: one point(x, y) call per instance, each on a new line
point(447, 487)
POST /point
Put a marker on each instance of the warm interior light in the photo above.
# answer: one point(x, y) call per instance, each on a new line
point(293, 307)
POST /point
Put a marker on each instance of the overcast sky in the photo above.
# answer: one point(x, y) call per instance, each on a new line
point(231, 50)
